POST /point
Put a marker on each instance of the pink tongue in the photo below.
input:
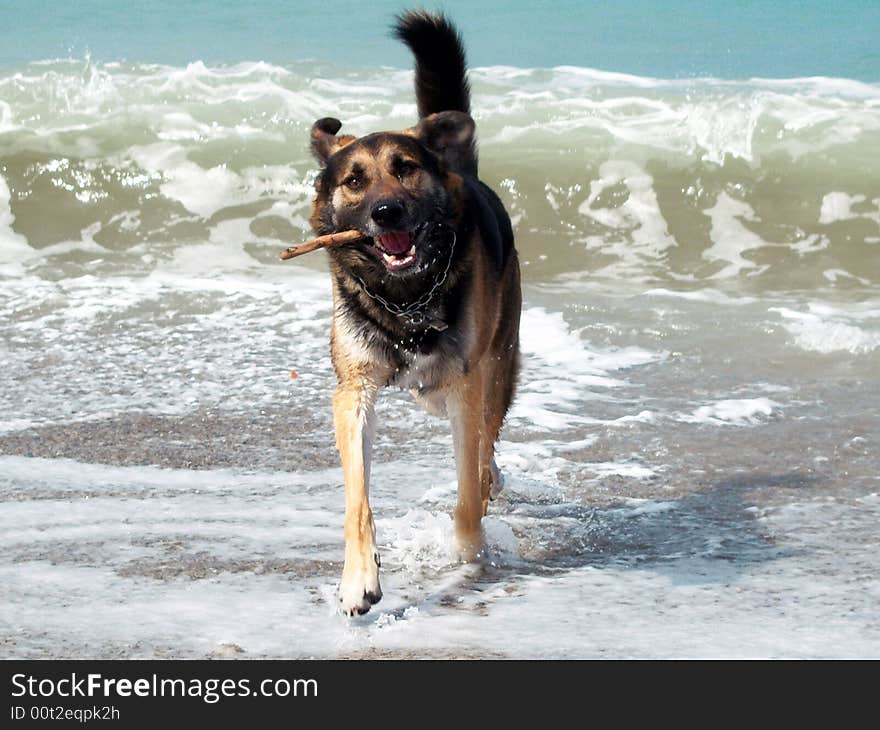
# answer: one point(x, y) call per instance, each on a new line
point(395, 243)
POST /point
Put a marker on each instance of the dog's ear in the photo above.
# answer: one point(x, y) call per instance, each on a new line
point(324, 140)
point(450, 135)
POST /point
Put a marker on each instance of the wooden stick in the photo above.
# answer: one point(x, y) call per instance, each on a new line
point(331, 239)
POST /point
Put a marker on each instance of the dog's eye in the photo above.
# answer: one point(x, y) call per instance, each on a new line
point(353, 182)
point(406, 168)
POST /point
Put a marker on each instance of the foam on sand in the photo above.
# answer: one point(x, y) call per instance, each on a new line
point(144, 562)
point(565, 372)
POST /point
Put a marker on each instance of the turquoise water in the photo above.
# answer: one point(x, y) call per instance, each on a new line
point(677, 39)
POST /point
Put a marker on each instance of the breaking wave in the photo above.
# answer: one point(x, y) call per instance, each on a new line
point(765, 183)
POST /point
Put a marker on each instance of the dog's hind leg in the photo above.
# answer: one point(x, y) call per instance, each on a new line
point(491, 478)
point(500, 367)
point(464, 404)
point(495, 403)
point(354, 418)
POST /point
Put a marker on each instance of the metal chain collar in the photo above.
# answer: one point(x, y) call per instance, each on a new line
point(413, 312)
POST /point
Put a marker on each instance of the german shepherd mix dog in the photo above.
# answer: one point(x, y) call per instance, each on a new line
point(429, 301)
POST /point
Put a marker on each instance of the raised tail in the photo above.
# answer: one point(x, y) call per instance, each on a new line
point(441, 69)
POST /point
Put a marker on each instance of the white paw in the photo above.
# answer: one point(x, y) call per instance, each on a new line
point(360, 588)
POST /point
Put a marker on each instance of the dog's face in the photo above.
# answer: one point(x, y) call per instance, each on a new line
point(394, 187)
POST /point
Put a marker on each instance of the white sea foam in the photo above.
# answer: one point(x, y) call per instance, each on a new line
point(190, 144)
point(181, 563)
point(838, 206)
point(633, 471)
point(733, 412)
point(188, 335)
point(635, 231)
point(709, 117)
point(13, 246)
point(564, 372)
point(201, 191)
point(826, 329)
point(833, 275)
point(730, 238)
point(249, 325)
point(707, 295)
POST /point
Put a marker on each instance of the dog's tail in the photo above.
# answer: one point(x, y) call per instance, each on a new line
point(441, 70)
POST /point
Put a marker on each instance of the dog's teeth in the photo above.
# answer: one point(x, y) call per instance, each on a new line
point(395, 261)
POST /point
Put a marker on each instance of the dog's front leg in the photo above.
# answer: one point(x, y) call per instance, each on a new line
point(354, 418)
point(465, 406)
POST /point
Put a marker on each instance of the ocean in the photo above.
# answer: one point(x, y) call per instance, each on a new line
point(692, 458)
point(674, 39)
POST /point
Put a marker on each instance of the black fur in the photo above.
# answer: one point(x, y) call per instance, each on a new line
point(321, 130)
point(441, 68)
point(492, 220)
point(442, 144)
point(428, 297)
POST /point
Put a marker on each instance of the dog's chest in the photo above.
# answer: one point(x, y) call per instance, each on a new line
point(430, 371)
point(422, 372)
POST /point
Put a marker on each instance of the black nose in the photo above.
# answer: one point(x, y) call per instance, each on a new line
point(387, 213)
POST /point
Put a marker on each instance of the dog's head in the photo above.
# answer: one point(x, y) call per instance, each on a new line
point(394, 187)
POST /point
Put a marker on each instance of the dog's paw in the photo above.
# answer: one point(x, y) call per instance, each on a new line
point(360, 589)
point(497, 481)
point(491, 483)
point(469, 546)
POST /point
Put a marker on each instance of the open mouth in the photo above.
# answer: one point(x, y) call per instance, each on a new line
point(397, 249)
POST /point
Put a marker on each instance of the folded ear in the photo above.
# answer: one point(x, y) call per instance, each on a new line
point(450, 135)
point(324, 140)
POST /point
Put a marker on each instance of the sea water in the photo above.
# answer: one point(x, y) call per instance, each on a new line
point(691, 458)
point(672, 39)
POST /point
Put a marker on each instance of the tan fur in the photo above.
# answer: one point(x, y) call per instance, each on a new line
point(481, 390)
point(441, 317)
point(377, 170)
point(473, 386)
point(354, 420)
point(473, 399)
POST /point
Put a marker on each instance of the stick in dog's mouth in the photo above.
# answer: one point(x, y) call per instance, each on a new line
point(331, 239)
point(397, 248)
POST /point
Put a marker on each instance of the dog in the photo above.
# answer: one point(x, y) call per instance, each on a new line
point(429, 301)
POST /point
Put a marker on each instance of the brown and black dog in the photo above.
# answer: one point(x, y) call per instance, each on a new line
point(429, 302)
